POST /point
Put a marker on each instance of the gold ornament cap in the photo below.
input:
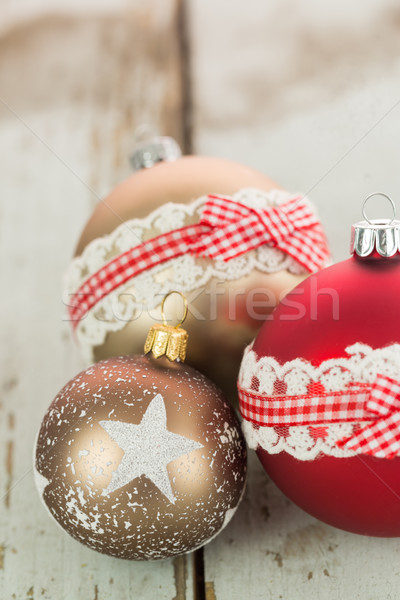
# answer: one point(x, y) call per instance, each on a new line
point(168, 340)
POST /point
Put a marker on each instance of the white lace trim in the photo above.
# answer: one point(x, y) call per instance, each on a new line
point(185, 273)
point(306, 442)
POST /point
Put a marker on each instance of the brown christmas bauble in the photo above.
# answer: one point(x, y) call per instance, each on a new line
point(141, 458)
point(228, 300)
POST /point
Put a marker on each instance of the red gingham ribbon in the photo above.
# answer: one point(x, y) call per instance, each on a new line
point(226, 229)
point(379, 403)
point(382, 437)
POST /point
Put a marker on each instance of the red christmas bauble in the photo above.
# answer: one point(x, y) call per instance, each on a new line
point(336, 330)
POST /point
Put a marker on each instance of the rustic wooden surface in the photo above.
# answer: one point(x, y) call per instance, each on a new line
point(306, 93)
point(73, 89)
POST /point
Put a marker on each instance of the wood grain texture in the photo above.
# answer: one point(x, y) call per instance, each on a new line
point(73, 89)
point(301, 91)
point(286, 88)
point(273, 550)
point(306, 92)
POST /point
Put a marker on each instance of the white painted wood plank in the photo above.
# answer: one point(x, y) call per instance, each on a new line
point(25, 11)
point(76, 89)
point(292, 89)
point(272, 549)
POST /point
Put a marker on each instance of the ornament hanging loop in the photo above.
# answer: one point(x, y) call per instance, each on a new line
point(185, 311)
point(371, 222)
point(376, 236)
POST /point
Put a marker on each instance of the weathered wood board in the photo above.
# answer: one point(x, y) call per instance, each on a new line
point(73, 89)
point(308, 93)
point(273, 549)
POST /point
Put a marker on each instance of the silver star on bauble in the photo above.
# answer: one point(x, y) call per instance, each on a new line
point(149, 447)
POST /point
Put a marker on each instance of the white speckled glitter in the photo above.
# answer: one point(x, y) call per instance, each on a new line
point(139, 460)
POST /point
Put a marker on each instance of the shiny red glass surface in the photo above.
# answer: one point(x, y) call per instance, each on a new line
point(357, 300)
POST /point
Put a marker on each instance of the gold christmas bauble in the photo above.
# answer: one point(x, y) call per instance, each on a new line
point(228, 301)
point(141, 458)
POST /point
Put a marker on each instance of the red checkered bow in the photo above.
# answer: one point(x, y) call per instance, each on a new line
point(379, 403)
point(382, 437)
point(236, 229)
point(226, 229)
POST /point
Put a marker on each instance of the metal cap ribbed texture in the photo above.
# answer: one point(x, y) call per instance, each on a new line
point(380, 235)
point(165, 340)
point(154, 150)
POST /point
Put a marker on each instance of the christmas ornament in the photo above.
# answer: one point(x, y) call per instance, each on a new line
point(187, 223)
point(320, 388)
point(141, 457)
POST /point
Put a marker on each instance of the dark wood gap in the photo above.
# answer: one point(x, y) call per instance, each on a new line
point(182, 26)
point(199, 585)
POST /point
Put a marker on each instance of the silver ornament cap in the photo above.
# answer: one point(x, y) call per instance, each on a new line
point(153, 150)
point(382, 235)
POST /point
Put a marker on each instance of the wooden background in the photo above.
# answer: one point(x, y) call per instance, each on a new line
point(306, 92)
